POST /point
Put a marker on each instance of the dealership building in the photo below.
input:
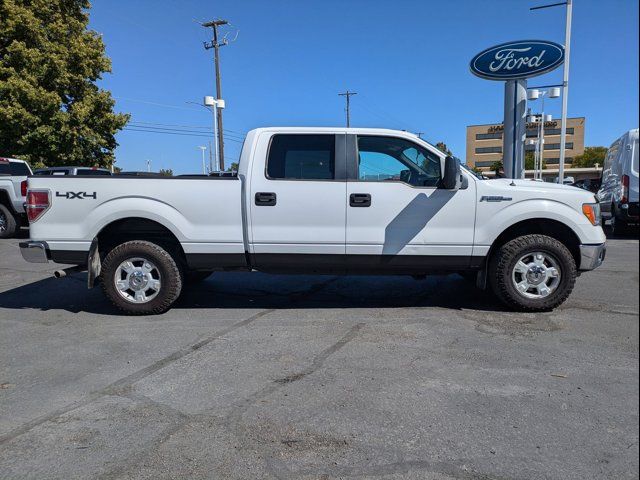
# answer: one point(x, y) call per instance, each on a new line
point(484, 143)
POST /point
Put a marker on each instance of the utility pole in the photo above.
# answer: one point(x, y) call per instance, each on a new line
point(347, 96)
point(215, 44)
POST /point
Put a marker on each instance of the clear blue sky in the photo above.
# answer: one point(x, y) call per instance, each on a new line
point(408, 61)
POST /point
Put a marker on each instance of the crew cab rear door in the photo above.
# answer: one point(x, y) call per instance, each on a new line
point(297, 201)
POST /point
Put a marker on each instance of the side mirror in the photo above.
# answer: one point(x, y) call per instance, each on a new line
point(451, 176)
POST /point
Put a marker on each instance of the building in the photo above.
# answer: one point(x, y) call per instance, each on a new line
point(484, 143)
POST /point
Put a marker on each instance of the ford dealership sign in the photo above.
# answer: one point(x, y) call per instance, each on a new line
point(515, 60)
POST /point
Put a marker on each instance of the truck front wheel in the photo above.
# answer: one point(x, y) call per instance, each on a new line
point(533, 273)
point(141, 278)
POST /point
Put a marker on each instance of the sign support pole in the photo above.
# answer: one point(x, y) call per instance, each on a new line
point(565, 92)
point(515, 125)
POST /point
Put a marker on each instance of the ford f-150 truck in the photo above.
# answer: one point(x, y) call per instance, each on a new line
point(318, 200)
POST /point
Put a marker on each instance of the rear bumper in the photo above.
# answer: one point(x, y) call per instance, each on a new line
point(592, 256)
point(40, 252)
point(34, 252)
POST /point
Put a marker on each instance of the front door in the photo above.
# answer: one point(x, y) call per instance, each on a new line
point(398, 219)
point(298, 211)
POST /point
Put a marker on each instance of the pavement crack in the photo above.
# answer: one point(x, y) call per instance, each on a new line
point(122, 384)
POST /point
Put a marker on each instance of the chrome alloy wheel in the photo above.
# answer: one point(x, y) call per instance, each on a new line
point(137, 280)
point(3, 222)
point(536, 275)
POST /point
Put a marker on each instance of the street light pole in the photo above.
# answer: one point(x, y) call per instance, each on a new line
point(204, 164)
point(565, 81)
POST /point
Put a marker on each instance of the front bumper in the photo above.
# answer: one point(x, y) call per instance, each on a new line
point(34, 252)
point(592, 256)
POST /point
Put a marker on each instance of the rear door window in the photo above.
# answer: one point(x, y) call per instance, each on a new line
point(301, 157)
point(19, 169)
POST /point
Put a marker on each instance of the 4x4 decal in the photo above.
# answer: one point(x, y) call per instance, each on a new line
point(80, 195)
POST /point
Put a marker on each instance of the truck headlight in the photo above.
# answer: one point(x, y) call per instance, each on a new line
point(592, 212)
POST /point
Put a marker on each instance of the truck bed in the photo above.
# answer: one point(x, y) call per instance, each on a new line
point(204, 213)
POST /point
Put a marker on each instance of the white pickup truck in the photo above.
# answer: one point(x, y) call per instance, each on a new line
point(318, 200)
point(13, 191)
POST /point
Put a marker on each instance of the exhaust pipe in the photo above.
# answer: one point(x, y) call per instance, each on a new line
point(68, 271)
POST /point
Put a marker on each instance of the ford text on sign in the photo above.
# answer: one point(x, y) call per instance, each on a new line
point(513, 60)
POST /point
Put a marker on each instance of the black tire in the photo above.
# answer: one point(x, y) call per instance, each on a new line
point(8, 224)
point(503, 263)
point(166, 266)
point(197, 276)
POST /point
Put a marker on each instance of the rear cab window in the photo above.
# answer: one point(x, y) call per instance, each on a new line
point(301, 157)
point(91, 171)
point(16, 169)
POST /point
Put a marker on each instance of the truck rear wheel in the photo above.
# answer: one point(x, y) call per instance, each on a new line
point(141, 278)
point(8, 224)
point(533, 273)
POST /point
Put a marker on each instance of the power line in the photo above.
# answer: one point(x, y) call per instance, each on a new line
point(183, 126)
point(183, 133)
point(179, 130)
point(347, 96)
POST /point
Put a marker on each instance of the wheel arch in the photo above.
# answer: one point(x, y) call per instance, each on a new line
point(138, 228)
point(543, 226)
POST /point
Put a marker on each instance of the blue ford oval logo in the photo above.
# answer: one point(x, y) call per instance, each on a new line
point(526, 58)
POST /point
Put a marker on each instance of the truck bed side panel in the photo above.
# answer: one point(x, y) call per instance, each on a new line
point(204, 214)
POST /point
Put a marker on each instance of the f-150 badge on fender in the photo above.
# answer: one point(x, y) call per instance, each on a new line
point(79, 195)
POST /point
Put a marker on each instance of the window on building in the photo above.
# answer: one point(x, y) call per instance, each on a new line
point(532, 133)
point(488, 136)
point(387, 159)
point(489, 150)
point(308, 157)
point(484, 163)
point(556, 146)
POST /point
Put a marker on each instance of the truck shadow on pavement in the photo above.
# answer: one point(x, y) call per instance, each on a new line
point(267, 291)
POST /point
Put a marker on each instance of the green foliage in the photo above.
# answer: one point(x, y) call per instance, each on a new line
point(443, 148)
point(530, 161)
point(497, 166)
point(167, 172)
point(590, 157)
point(51, 110)
point(233, 167)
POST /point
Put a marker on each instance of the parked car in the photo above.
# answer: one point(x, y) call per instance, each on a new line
point(13, 191)
point(54, 171)
point(309, 200)
point(618, 194)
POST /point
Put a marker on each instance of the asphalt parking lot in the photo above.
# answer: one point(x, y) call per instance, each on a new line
point(318, 377)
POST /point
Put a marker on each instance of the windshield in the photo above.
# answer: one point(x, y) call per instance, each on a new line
point(475, 174)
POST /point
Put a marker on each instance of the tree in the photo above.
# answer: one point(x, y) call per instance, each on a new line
point(233, 167)
point(530, 161)
point(497, 167)
point(590, 157)
point(167, 172)
point(443, 148)
point(51, 110)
